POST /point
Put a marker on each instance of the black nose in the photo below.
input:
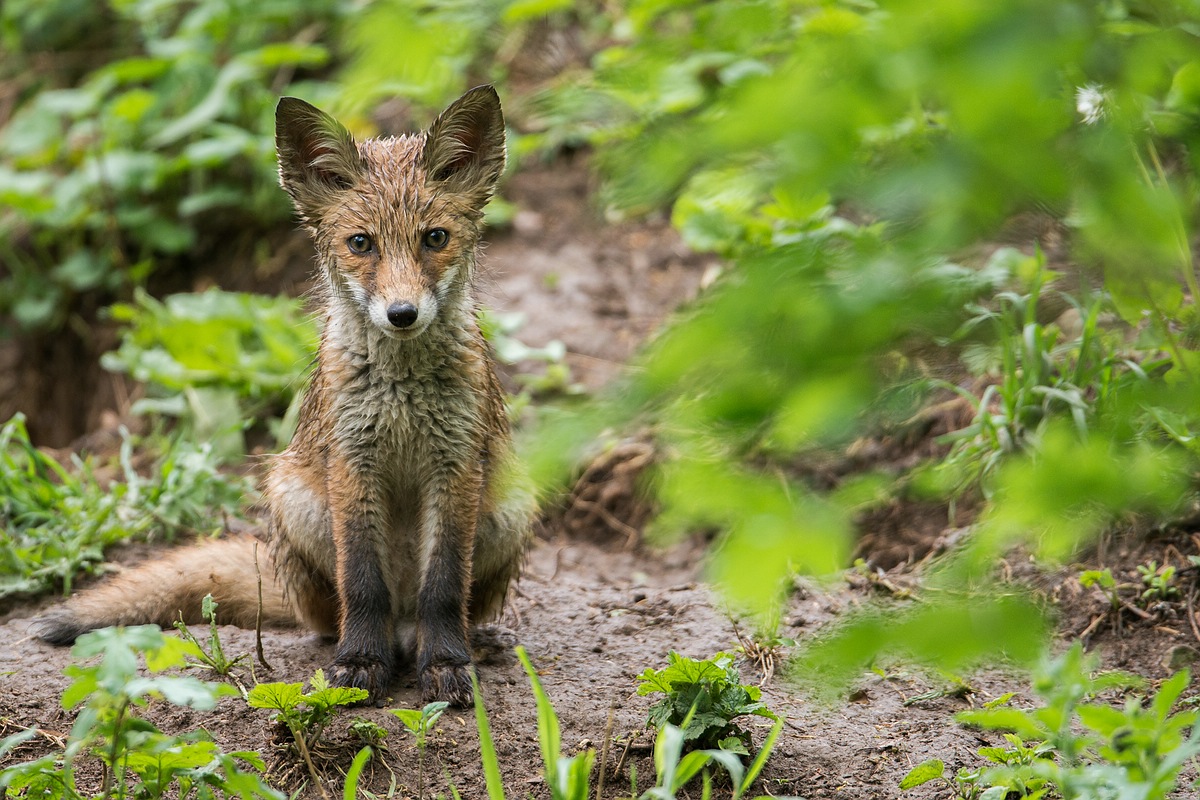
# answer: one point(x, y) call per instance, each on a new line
point(402, 314)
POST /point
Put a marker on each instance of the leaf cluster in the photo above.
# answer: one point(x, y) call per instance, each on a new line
point(115, 165)
point(1076, 746)
point(703, 698)
point(217, 360)
point(139, 760)
point(305, 714)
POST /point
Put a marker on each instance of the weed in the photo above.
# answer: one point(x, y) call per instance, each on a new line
point(216, 360)
point(703, 698)
point(1159, 583)
point(213, 658)
point(567, 777)
point(420, 724)
point(139, 760)
point(1034, 374)
point(1076, 747)
point(1104, 580)
point(58, 520)
point(305, 714)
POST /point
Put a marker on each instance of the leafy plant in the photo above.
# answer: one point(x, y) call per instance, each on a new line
point(1034, 373)
point(305, 714)
point(1078, 747)
point(57, 520)
point(217, 360)
point(1159, 583)
point(419, 724)
point(703, 698)
point(674, 769)
point(139, 760)
point(213, 658)
point(568, 777)
point(114, 167)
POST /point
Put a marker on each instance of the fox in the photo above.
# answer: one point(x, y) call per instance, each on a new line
point(398, 515)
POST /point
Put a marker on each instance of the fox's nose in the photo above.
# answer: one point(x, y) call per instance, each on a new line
point(402, 314)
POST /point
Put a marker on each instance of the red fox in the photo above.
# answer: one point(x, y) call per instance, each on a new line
point(397, 515)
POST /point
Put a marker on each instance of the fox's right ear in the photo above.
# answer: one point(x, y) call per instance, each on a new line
point(317, 155)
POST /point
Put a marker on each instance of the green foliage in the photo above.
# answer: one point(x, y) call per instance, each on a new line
point(897, 136)
point(140, 760)
point(305, 714)
point(675, 769)
point(423, 52)
point(112, 168)
point(703, 698)
point(419, 724)
point(1075, 746)
point(217, 360)
point(213, 658)
point(57, 520)
point(1159, 583)
point(1039, 375)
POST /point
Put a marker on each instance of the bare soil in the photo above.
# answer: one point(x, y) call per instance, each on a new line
point(596, 605)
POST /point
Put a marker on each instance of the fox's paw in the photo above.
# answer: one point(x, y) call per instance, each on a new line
point(362, 672)
point(449, 682)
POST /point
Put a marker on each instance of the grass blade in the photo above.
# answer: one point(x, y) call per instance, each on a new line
point(487, 747)
point(350, 790)
point(548, 730)
point(764, 753)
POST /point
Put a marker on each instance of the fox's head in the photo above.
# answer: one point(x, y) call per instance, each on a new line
point(396, 220)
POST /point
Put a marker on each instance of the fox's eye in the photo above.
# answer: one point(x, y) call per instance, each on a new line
point(360, 243)
point(436, 239)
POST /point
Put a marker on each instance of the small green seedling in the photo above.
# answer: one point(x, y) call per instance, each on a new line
point(1104, 580)
point(703, 698)
point(420, 724)
point(567, 777)
point(1159, 583)
point(214, 658)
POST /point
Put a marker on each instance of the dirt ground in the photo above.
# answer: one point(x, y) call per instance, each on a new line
point(596, 606)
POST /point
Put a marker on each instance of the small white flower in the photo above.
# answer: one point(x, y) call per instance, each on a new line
point(1089, 102)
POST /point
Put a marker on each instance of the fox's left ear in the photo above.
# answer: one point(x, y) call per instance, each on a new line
point(464, 149)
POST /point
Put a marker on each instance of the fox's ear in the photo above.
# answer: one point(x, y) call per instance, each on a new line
point(464, 149)
point(317, 156)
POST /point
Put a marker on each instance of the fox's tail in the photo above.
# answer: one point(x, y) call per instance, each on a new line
point(162, 591)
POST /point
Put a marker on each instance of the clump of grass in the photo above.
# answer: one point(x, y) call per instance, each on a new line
point(58, 519)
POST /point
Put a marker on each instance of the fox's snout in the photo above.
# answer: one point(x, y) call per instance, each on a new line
point(402, 315)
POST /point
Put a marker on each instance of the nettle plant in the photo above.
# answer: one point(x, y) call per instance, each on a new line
point(703, 698)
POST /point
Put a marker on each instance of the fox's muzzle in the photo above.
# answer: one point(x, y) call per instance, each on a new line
point(402, 315)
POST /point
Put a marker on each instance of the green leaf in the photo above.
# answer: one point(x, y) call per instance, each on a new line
point(923, 773)
point(279, 696)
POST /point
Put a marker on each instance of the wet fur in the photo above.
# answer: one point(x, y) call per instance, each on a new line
point(397, 514)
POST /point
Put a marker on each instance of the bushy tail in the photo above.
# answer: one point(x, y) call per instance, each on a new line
point(162, 590)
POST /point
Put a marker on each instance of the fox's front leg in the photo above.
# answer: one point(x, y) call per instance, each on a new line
point(451, 514)
point(365, 653)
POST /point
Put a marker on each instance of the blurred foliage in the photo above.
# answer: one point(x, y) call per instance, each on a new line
point(218, 361)
point(56, 522)
point(139, 125)
point(843, 155)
